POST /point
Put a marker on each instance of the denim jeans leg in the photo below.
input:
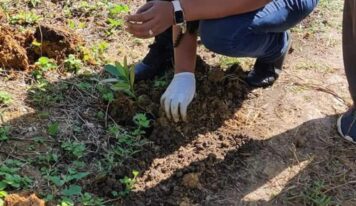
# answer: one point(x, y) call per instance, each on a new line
point(260, 34)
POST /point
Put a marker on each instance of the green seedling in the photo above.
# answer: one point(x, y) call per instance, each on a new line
point(73, 64)
point(25, 17)
point(72, 175)
point(142, 122)
point(3, 194)
point(105, 92)
point(316, 196)
point(129, 183)
point(117, 9)
point(114, 24)
point(88, 199)
point(158, 83)
point(9, 177)
point(77, 149)
point(53, 129)
point(124, 78)
point(43, 65)
point(5, 98)
point(43, 94)
point(4, 133)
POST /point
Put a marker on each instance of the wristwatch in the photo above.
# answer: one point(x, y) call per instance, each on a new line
point(179, 16)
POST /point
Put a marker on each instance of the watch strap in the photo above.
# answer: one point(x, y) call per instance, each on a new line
point(177, 6)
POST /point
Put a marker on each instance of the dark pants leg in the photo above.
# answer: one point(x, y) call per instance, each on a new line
point(261, 33)
point(349, 45)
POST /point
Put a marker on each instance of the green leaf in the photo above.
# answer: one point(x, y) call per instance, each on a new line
point(53, 129)
point(132, 77)
point(2, 185)
point(67, 202)
point(120, 86)
point(112, 70)
point(122, 71)
point(3, 193)
point(79, 175)
point(135, 173)
point(56, 180)
point(72, 190)
point(2, 203)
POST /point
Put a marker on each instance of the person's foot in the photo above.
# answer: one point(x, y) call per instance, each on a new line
point(346, 125)
point(158, 59)
point(265, 74)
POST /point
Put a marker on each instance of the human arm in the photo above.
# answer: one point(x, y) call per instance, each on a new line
point(181, 90)
point(157, 16)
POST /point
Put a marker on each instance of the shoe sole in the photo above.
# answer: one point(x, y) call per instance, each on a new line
point(347, 138)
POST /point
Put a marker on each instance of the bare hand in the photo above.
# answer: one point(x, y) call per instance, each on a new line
point(151, 19)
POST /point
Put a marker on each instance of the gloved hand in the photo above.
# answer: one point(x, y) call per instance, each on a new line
point(179, 95)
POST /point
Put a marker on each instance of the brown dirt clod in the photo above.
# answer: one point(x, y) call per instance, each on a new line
point(12, 54)
point(191, 180)
point(20, 200)
point(56, 42)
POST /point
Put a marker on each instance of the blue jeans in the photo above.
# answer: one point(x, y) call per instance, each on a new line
point(260, 34)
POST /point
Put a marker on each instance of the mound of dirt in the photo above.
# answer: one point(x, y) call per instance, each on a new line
point(23, 200)
point(56, 42)
point(17, 52)
point(12, 49)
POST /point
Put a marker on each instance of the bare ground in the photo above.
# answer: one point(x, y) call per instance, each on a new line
point(273, 146)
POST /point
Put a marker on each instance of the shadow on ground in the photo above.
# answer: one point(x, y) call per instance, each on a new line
point(283, 170)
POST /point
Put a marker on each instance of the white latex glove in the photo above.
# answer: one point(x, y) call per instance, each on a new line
point(179, 95)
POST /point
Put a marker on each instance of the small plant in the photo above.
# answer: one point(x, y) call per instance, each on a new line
point(160, 83)
point(73, 64)
point(117, 9)
point(114, 24)
point(9, 177)
point(5, 98)
point(124, 78)
point(316, 196)
point(129, 183)
point(72, 175)
point(88, 199)
point(3, 194)
point(53, 129)
point(142, 122)
point(43, 65)
point(24, 17)
point(77, 149)
point(4, 133)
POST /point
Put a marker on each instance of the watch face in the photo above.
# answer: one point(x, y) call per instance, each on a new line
point(179, 17)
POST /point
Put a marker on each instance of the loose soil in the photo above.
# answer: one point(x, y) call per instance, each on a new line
point(241, 146)
point(23, 200)
point(18, 52)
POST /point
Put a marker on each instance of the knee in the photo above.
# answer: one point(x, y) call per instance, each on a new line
point(217, 37)
point(209, 36)
point(306, 7)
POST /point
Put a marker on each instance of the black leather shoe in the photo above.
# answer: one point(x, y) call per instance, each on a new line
point(265, 74)
point(158, 59)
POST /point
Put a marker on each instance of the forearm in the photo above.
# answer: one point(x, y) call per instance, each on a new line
point(213, 9)
point(185, 53)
